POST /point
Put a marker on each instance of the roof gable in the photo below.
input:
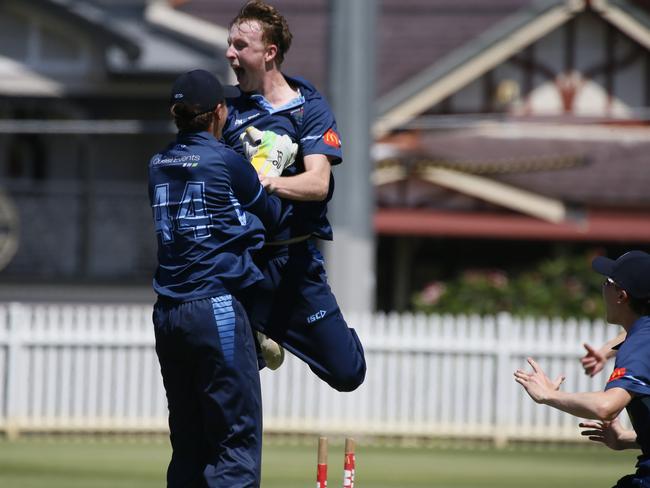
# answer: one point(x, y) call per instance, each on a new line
point(469, 62)
point(413, 34)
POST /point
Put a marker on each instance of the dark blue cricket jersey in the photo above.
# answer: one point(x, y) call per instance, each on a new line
point(632, 373)
point(210, 211)
point(309, 121)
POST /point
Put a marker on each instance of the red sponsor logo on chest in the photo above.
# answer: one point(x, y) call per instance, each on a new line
point(618, 373)
point(331, 138)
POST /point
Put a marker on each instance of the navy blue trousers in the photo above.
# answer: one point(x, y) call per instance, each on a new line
point(209, 368)
point(295, 306)
point(632, 481)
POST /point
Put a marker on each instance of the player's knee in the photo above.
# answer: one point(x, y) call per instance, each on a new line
point(349, 382)
point(351, 377)
point(344, 376)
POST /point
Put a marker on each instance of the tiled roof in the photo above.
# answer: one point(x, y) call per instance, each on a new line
point(412, 34)
point(581, 171)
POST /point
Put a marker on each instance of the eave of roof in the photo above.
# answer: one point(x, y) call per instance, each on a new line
point(134, 48)
point(585, 166)
point(163, 16)
point(597, 225)
point(94, 20)
point(630, 19)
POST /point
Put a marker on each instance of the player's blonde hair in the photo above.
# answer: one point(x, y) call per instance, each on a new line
point(275, 29)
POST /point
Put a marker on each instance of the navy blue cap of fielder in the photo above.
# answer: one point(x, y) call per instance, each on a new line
point(201, 89)
point(631, 271)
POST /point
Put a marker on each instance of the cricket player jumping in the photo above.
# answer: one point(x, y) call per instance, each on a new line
point(293, 305)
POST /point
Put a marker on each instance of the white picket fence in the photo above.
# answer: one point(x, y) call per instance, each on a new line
point(76, 368)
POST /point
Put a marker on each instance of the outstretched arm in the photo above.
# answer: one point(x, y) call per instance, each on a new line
point(602, 405)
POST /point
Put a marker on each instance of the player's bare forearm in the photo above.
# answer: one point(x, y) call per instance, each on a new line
point(300, 187)
point(312, 185)
point(601, 405)
point(627, 440)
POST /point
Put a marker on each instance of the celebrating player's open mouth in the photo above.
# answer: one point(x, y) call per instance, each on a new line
point(240, 73)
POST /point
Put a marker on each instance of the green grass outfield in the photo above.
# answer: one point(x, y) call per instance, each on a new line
point(138, 463)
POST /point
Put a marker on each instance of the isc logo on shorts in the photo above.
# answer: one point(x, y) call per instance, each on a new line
point(317, 316)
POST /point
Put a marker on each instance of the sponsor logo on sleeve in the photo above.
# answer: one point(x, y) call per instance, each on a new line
point(618, 373)
point(331, 138)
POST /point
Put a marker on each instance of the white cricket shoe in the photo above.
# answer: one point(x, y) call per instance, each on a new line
point(272, 352)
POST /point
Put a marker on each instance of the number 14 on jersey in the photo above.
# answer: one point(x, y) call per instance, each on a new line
point(192, 212)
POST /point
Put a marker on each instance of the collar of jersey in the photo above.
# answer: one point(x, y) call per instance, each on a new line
point(264, 104)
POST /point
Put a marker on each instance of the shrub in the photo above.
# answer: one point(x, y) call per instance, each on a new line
point(560, 287)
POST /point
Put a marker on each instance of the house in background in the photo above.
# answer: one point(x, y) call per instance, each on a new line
point(84, 89)
point(506, 130)
point(531, 137)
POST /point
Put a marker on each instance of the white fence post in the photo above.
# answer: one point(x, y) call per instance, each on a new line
point(503, 379)
point(17, 322)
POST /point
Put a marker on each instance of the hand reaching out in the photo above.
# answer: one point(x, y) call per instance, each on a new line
point(612, 434)
point(537, 384)
point(593, 361)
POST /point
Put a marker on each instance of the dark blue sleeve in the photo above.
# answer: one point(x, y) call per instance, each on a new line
point(632, 368)
point(319, 133)
point(250, 193)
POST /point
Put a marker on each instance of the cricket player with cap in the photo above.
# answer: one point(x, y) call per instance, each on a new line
point(294, 304)
point(210, 214)
point(626, 292)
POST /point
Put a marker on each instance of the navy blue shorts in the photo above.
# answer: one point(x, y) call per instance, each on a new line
point(295, 306)
point(209, 367)
point(633, 481)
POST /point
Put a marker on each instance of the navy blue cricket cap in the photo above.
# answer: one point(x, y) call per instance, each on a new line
point(631, 271)
point(202, 89)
